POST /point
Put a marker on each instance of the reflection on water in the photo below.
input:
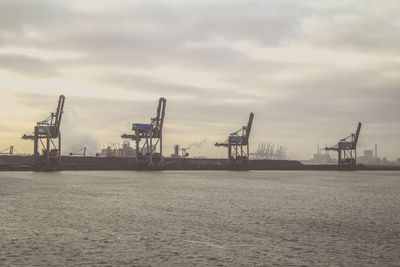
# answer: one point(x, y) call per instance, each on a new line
point(200, 218)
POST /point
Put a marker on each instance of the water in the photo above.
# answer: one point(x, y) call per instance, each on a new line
point(200, 218)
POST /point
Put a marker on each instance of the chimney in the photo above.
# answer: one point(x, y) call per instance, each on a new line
point(176, 148)
point(376, 151)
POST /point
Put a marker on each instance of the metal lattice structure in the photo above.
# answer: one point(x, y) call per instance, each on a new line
point(238, 147)
point(148, 139)
point(47, 134)
point(269, 151)
point(347, 149)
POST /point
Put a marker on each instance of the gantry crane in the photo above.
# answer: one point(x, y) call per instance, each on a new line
point(81, 152)
point(47, 130)
point(149, 153)
point(347, 149)
point(8, 151)
point(238, 147)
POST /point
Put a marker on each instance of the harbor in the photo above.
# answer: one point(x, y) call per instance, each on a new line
point(147, 154)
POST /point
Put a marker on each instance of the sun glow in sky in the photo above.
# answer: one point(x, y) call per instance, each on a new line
point(309, 70)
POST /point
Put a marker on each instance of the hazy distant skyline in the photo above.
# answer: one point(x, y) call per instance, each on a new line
point(309, 70)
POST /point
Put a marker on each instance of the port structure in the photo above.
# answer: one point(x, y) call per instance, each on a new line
point(8, 151)
point(180, 152)
point(81, 152)
point(47, 134)
point(269, 151)
point(347, 149)
point(238, 146)
point(149, 152)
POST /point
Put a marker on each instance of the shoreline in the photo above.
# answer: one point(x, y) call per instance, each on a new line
point(68, 163)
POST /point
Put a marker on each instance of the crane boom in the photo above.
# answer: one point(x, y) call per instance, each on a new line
point(357, 135)
point(162, 104)
point(58, 115)
point(248, 129)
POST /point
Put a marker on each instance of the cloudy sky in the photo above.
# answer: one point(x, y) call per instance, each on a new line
point(309, 70)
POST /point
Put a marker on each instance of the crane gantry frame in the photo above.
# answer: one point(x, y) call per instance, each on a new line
point(347, 149)
point(47, 129)
point(146, 154)
point(238, 146)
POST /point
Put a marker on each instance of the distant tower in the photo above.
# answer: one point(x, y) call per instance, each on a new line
point(376, 152)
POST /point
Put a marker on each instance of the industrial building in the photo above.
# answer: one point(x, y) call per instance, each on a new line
point(370, 157)
point(322, 158)
point(126, 151)
point(179, 152)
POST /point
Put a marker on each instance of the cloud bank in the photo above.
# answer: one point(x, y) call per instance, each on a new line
point(309, 70)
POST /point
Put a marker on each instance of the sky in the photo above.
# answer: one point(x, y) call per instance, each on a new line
point(309, 70)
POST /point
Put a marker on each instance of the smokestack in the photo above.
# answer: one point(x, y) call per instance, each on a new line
point(376, 151)
point(318, 151)
point(176, 148)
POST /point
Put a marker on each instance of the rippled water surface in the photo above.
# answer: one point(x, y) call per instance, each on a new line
point(200, 218)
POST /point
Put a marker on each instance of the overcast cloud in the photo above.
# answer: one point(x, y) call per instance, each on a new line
point(309, 70)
